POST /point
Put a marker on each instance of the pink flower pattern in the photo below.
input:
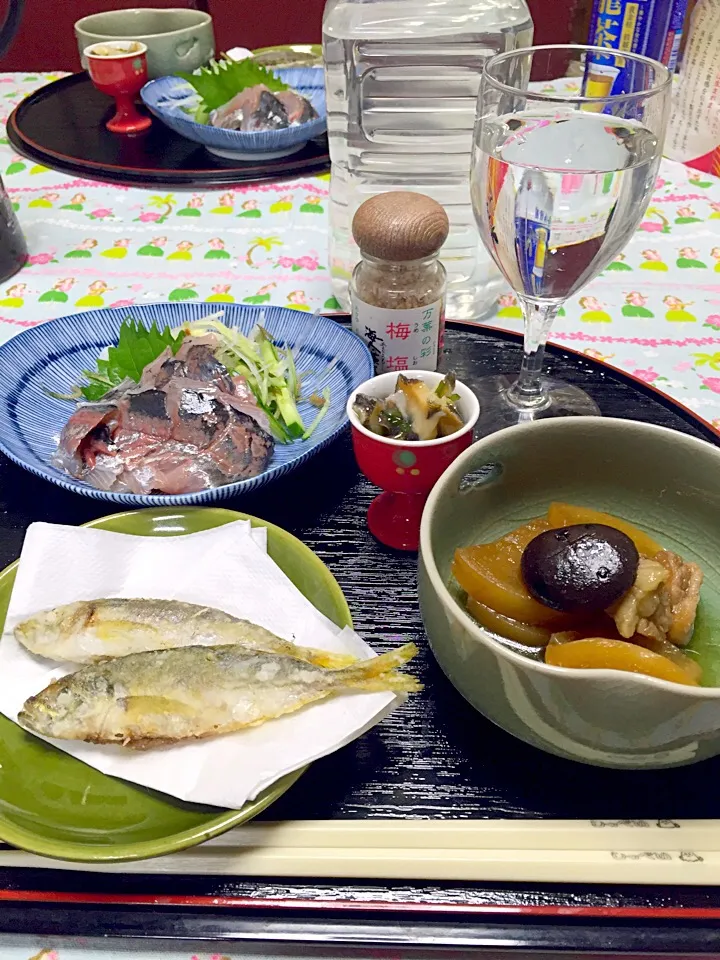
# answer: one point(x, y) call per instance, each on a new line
point(306, 262)
point(40, 259)
point(647, 376)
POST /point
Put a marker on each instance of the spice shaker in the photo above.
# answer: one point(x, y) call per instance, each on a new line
point(13, 249)
point(398, 288)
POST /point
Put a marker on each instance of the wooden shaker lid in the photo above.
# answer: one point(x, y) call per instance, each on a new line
point(400, 226)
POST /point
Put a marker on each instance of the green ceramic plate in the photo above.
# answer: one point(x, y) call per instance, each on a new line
point(290, 55)
point(54, 805)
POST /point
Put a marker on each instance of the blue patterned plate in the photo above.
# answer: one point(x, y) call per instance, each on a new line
point(53, 355)
point(169, 97)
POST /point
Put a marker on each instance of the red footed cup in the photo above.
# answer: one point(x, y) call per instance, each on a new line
point(122, 75)
point(406, 470)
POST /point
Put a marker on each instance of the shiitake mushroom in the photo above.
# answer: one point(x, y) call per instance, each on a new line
point(585, 567)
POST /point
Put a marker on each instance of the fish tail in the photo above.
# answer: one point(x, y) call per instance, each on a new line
point(393, 681)
point(379, 670)
point(330, 661)
point(388, 661)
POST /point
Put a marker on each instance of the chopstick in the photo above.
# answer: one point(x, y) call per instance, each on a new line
point(541, 866)
point(550, 851)
point(600, 835)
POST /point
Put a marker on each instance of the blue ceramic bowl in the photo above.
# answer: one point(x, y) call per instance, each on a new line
point(53, 355)
point(168, 98)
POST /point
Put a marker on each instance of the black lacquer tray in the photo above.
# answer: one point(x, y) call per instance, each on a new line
point(62, 125)
point(437, 758)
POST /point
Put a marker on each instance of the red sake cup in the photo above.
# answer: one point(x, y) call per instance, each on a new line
point(122, 74)
point(406, 470)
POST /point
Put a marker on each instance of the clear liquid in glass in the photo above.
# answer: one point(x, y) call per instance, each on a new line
point(558, 193)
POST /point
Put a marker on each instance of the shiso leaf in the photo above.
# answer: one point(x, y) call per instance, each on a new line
point(137, 346)
point(220, 80)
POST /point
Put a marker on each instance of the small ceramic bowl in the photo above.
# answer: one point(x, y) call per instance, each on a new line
point(172, 100)
point(177, 39)
point(406, 470)
point(664, 482)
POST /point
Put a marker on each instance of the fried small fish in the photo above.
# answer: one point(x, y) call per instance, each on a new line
point(93, 630)
point(163, 697)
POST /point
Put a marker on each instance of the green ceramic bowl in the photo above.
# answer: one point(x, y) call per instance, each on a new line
point(176, 39)
point(665, 482)
point(55, 805)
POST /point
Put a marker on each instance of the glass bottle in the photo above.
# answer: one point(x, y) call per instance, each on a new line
point(13, 249)
point(397, 290)
point(402, 79)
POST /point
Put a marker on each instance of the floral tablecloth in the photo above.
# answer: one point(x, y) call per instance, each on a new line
point(655, 312)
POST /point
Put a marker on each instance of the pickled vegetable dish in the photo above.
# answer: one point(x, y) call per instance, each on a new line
point(586, 590)
point(413, 412)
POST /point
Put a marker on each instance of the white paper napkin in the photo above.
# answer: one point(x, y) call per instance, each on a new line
point(227, 568)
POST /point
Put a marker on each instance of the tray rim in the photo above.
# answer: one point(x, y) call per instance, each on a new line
point(480, 326)
point(342, 906)
point(396, 931)
point(642, 385)
point(191, 179)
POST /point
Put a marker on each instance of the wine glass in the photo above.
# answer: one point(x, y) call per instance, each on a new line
point(561, 176)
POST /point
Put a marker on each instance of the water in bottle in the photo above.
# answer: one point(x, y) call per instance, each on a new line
point(402, 82)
